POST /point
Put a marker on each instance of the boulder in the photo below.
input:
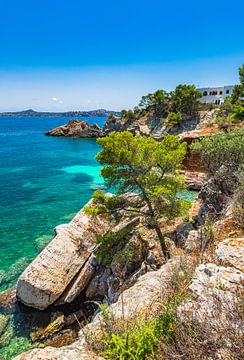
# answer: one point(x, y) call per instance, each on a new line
point(63, 353)
point(231, 252)
point(215, 299)
point(193, 241)
point(77, 129)
point(194, 179)
point(80, 281)
point(49, 275)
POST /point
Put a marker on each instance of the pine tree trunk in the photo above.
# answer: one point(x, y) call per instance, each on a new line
point(162, 240)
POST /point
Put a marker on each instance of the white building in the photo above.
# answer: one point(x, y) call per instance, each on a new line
point(215, 95)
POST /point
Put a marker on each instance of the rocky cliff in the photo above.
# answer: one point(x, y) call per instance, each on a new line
point(144, 125)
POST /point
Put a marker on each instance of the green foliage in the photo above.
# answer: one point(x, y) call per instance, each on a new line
point(238, 91)
point(173, 118)
point(222, 149)
point(110, 243)
point(146, 167)
point(157, 103)
point(115, 202)
point(225, 109)
point(238, 111)
point(211, 106)
point(143, 336)
point(241, 74)
point(99, 197)
point(185, 99)
point(129, 115)
point(94, 210)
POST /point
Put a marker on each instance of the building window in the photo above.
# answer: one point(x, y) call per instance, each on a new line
point(221, 93)
point(227, 91)
point(205, 93)
point(213, 93)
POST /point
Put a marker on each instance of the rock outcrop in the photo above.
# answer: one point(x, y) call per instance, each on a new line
point(194, 179)
point(139, 297)
point(62, 262)
point(77, 129)
point(63, 353)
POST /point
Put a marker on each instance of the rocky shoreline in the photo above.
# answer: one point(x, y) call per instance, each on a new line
point(69, 272)
point(144, 125)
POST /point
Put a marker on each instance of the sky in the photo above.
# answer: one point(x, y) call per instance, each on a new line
point(61, 55)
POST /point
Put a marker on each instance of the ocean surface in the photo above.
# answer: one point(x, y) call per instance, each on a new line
point(44, 181)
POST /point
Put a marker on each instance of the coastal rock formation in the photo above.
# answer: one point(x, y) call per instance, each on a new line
point(194, 179)
point(134, 300)
point(144, 125)
point(64, 353)
point(77, 129)
point(48, 276)
point(217, 288)
point(231, 252)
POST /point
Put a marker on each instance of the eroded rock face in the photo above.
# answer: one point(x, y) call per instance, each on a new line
point(139, 297)
point(231, 252)
point(77, 129)
point(194, 179)
point(47, 277)
point(217, 290)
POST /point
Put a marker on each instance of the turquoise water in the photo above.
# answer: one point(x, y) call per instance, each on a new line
point(44, 181)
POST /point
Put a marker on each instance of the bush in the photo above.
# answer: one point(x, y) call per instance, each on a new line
point(99, 197)
point(173, 118)
point(110, 243)
point(140, 337)
point(94, 210)
point(223, 149)
point(211, 106)
point(143, 336)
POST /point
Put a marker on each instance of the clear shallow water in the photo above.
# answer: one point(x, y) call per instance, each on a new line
point(44, 181)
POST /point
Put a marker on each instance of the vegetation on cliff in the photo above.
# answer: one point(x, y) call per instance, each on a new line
point(172, 106)
point(147, 167)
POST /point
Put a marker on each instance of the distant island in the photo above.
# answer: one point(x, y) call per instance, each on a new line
point(30, 112)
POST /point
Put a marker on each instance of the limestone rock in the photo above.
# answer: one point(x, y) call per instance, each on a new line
point(192, 242)
point(216, 296)
point(214, 277)
point(47, 277)
point(194, 179)
point(231, 252)
point(98, 287)
point(63, 353)
point(77, 129)
point(79, 282)
point(52, 328)
point(137, 298)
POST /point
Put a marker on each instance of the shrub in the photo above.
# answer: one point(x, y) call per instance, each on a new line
point(143, 336)
point(173, 118)
point(110, 243)
point(94, 210)
point(99, 197)
point(223, 149)
point(211, 106)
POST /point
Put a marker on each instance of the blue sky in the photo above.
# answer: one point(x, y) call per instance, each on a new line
point(73, 54)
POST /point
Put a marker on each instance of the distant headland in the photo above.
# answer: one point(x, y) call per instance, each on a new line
point(31, 112)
